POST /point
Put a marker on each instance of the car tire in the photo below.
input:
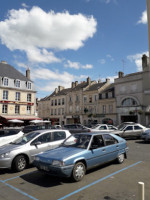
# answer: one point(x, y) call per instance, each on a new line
point(120, 158)
point(19, 163)
point(78, 171)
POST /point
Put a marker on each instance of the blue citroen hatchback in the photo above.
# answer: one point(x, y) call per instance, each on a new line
point(81, 152)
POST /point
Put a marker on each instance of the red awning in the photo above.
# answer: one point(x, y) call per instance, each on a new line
point(21, 117)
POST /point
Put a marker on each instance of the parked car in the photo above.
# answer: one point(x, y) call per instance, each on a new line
point(146, 135)
point(103, 128)
point(76, 128)
point(30, 128)
point(130, 131)
point(18, 154)
point(9, 135)
point(80, 152)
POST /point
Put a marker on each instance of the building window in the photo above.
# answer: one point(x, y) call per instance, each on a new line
point(18, 83)
point(62, 111)
point(5, 83)
point(29, 97)
point(110, 108)
point(51, 111)
point(55, 111)
point(17, 96)
point(59, 111)
point(77, 98)
point(52, 103)
point(5, 95)
point(58, 101)
point(85, 99)
point(55, 102)
point(29, 85)
point(95, 97)
point(104, 109)
point(100, 96)
point(28, 109)
point(63, 101)
point(17, 109)
point(4, 109)
point(90, 99)
point(129, 102)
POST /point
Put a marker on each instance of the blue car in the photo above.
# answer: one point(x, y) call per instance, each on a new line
point(81, 152)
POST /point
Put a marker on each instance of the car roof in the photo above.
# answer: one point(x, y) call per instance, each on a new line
point(93, 133)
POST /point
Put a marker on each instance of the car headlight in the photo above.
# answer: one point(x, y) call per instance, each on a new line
point(57, 163)
point(5, 155)
point(36, 158)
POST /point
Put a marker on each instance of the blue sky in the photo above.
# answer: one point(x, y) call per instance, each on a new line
point(62, 41)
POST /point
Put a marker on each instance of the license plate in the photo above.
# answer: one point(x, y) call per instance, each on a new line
point(45, 168)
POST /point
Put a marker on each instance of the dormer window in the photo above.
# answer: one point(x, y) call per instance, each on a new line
point(29, 85)
point(17, 83)
point(5, 82)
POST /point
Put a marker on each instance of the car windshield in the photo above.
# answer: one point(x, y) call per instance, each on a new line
point(26, 138)
point(95, 127)
point(78, 141)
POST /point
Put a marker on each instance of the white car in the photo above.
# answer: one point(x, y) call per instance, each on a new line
point(9, 135)
point(103, 128)
point(20, 153)
point(146, 135)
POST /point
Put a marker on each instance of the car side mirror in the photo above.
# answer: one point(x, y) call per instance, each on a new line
point(36, 143)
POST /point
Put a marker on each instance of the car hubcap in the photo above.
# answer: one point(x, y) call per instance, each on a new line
point(21, 163)
point(79, 172)
point(121, 158)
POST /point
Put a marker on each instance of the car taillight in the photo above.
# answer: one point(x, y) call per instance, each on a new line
point(89, 130)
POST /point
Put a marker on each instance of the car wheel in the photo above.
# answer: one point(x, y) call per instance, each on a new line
point(19, 163)
point(78, 171)
point(120, 158)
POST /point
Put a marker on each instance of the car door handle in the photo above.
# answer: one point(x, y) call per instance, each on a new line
point(104, 150)
point(117, 146)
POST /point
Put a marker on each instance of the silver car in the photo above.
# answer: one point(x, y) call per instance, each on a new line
point(18, 154)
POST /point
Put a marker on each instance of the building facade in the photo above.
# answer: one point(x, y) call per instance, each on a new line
point(17, 95)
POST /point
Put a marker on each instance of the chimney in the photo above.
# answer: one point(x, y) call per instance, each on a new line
point(107, 80)
point(76, 83)
point(99, 81)
point(145, 62)
point(3, 62)
point(72, 85)
point(28, 73)
point(88, 81)
point(60, 88)
point(56, 90)
point(120, 74)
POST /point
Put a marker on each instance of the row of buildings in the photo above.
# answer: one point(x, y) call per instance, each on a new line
point(87, 102)
point(127, 99)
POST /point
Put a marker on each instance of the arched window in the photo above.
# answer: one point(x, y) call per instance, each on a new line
point(129, 102)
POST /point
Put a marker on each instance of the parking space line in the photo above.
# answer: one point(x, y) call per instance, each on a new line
point(18, 176)
point(95, 182)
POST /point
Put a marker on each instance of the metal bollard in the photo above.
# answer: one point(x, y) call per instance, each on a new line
point(141, 190)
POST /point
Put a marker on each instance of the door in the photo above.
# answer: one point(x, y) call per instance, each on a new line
point(40, 144)
point(128, 132)
point(57, 138)
point(137, 131)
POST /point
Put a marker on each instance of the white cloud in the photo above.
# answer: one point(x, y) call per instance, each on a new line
point(77, 65)
point(36, 31)
point(143, 18)
point(24, 5)
point(47, 80)
point(137, 59)
point(102, 61)
point(110, 57)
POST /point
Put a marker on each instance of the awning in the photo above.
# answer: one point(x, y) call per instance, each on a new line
point(20, 117)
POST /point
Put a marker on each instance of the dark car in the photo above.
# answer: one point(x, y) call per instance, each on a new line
point(76, 128)
point(30, 128)
point(80, 152)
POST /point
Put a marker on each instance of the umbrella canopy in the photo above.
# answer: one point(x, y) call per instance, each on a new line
point(36, 121)
point(15, 121)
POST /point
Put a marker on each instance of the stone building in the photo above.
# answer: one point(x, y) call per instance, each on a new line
point(17, 95)
point(133, 95)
